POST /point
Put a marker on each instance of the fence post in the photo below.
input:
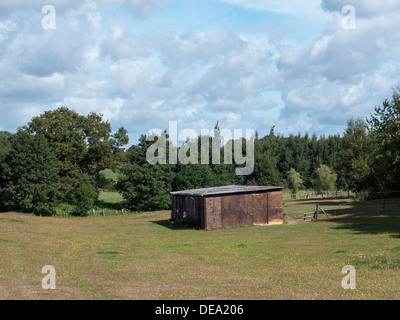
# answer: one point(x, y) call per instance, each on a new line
point(103, 213)
point(317, 212)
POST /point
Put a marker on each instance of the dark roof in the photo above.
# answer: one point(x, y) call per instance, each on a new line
point(223, 190)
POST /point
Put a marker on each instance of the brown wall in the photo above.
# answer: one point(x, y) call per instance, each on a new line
point(242, 209)
point(231, 210)
point(275, 211)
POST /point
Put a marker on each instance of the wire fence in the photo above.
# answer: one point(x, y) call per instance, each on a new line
point(98, 213)
point(319, 194)
point(109, 212)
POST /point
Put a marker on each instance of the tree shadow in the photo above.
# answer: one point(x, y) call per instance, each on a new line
point(326, 202)
point(367, 217)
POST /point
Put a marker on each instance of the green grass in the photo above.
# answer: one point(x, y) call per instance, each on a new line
point(11, 220)
point(144, 256)
point(110, 197)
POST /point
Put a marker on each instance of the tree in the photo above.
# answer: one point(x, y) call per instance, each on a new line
point(83, 199)
point(193, 176)
point(325, 178)
point(144, 186)
point(265, 163)
point(5, 143)
point(356, 156)
point(384, 129)
point(295, 181)
point(29, 179)
point(82, 144)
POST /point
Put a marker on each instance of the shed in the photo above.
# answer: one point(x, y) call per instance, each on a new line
point(229, 206)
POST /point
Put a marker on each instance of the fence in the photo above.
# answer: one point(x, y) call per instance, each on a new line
point(102, 212)
point(105, 212)
point(311, 216)
point(321, 194)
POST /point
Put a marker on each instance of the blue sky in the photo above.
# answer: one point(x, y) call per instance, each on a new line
point(249, 64)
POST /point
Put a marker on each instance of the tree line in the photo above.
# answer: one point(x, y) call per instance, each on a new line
point(60, 156)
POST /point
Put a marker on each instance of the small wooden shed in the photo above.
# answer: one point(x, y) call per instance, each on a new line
point(229, 206)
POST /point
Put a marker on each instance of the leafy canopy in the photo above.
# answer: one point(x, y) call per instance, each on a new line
point(82, 144)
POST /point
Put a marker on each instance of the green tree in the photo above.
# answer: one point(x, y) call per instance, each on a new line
point(384, 128)
point(266, 170)
point(295, 181)
point(145, 186)
point(5, 143)
point(83, 199)
point(325, 179)
point(82, 144)
point(29, 178)
point(193, 176)
point(356, 156)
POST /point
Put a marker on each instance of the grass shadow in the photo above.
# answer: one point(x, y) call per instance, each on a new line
point(322, 202)
point(183, 224)
point(368, 217)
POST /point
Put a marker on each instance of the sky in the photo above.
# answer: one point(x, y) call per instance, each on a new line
point(301, 66)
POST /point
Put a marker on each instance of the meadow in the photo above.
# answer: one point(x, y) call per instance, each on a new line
point(143, 256)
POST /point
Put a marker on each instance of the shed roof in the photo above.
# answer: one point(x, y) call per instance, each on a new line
point(224, 190)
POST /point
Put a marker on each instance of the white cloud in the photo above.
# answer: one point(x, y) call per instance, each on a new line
point(145, 79)
point(133, 75)
point(342, 73)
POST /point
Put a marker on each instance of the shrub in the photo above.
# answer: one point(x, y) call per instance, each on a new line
point(44, 209)
point(83, 200)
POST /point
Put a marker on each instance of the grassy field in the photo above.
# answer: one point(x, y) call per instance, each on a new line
point(110, 197)
point(142, 256)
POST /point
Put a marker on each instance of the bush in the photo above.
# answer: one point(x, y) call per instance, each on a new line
point(83, 200)
point(326, 179)
point(44, 209)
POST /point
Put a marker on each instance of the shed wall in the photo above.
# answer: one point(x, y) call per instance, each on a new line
point(213, 207)
point(236, 210)
point(231, 210)
point(275, 211)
